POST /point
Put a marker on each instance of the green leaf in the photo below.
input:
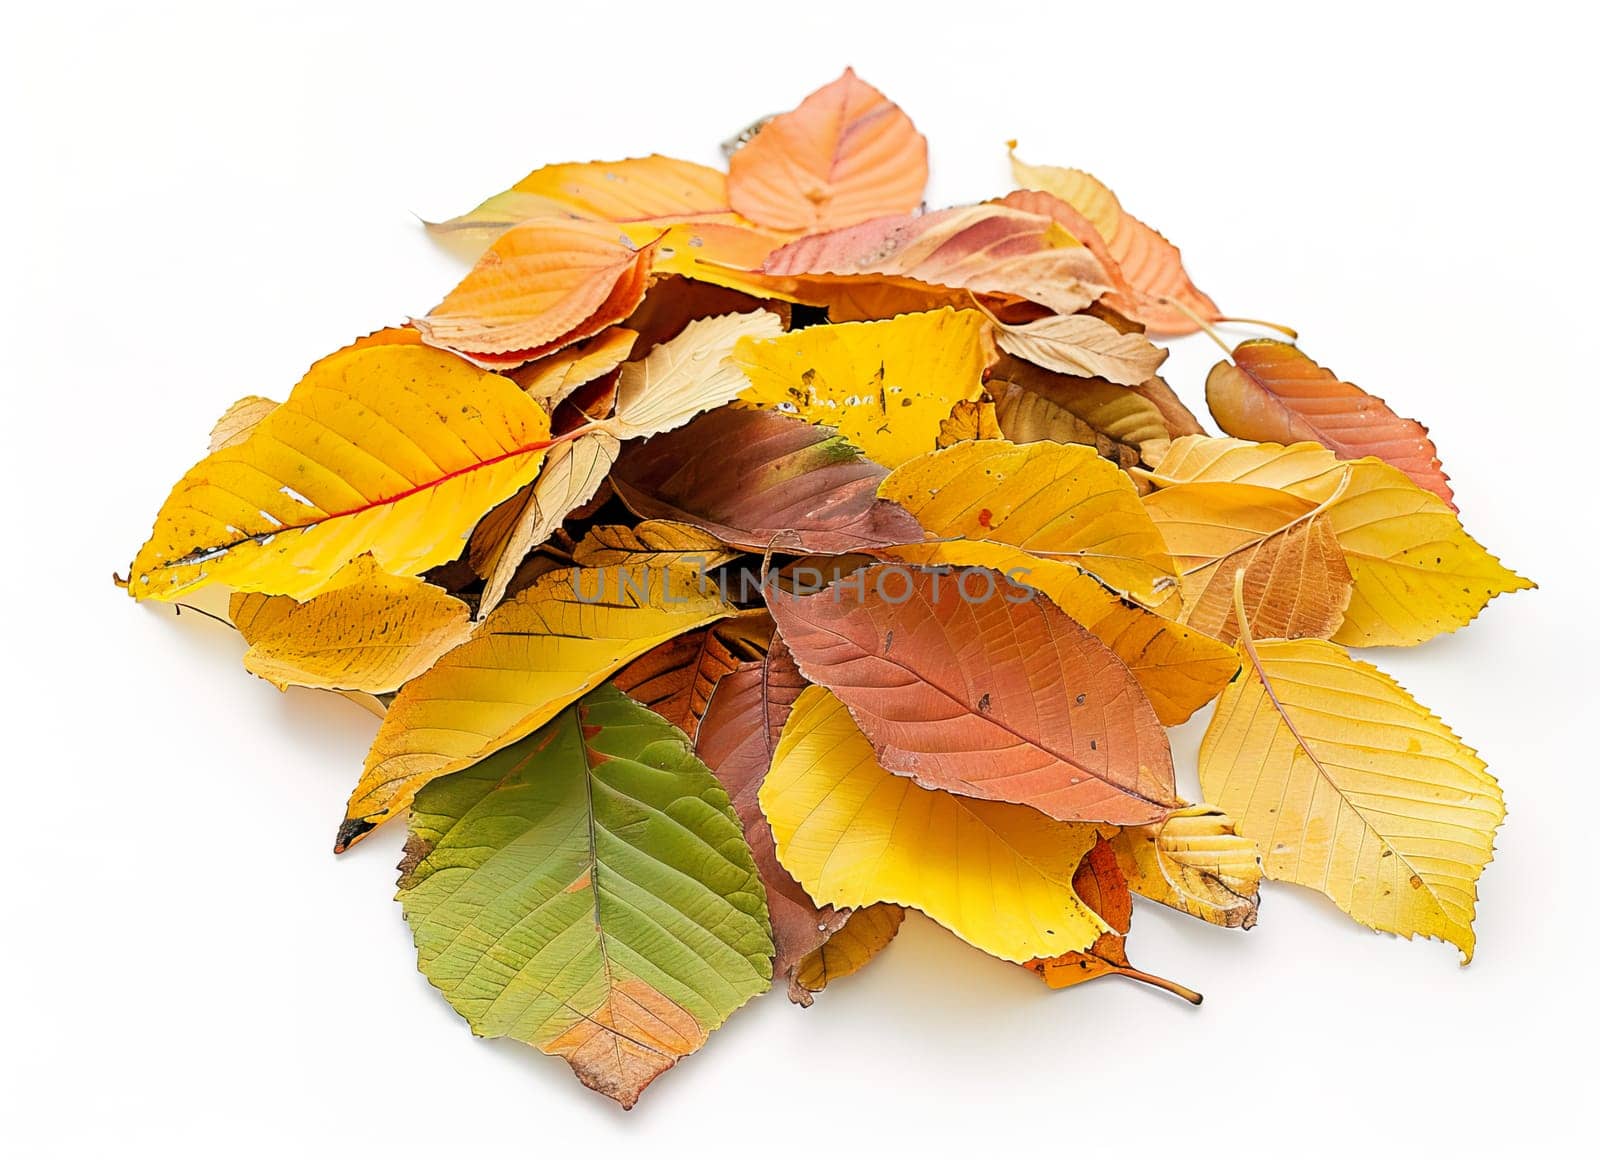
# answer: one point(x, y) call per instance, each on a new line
point(588, 891)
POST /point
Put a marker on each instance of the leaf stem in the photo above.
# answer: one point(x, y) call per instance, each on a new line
point(1168, 985)
point(1198, 321)
point(1289, 331)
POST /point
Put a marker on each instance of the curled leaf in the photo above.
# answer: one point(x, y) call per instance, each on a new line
point(991, 249)
point(1194, 861)
point(865, 934)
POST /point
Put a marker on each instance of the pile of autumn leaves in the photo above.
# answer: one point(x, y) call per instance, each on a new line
point(707, 635)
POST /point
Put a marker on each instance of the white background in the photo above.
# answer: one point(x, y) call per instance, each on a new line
point(203, 198)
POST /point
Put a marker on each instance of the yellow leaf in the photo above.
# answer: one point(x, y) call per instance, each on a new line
point(1350, 787)
point(1049, 513)
point(633, 190)
point(998, 875)
point(533, 656)
point(720, 253)
point(370, 633)
point(886, 386)
point(650, 543)
point(393, 450)
point(1417, 572)
point(1056, 501)
point(1296, 582)
point(968, 420)
point(1196, 862)
point(557, 375)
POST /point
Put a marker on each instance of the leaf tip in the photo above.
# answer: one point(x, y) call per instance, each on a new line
point(351, 831)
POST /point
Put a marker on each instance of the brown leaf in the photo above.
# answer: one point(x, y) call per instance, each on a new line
point(1004, 698)
point(1296, 579)
point(737, 737)
point(674, 302)
point(1148, 268)
point(675, 679)
point(1033, 404)
point(1179, 419)
point(969, 420)
point(867, 931)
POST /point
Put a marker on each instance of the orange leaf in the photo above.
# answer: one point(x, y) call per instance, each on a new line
point(1148, 266)
point(1272, 393)
point(542, 285)
point(1099, 881)
point(846, 154)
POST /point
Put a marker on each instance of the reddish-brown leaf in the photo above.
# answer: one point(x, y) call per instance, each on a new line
point(1272, 393)
point(1005, 697)
point(756, 479)
point(737, 738)
point(676, 679)
point(982, 248)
